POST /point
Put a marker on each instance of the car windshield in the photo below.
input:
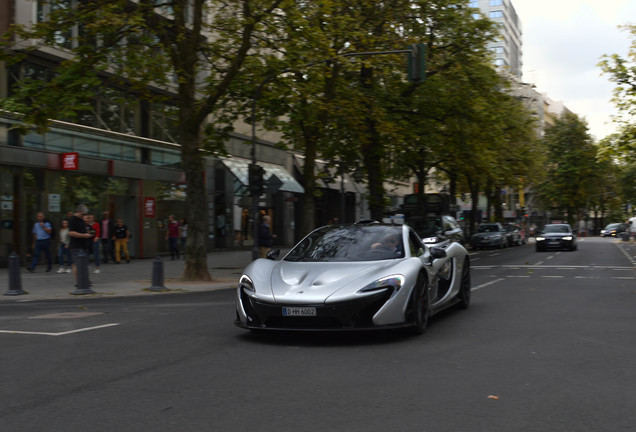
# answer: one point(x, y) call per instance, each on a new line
point(612, 226)
point(488, 228)
point(556, 229)
point(350, 243)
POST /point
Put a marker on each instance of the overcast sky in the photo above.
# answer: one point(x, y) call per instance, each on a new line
point(563, 41)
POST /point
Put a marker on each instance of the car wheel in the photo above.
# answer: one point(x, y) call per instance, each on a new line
point(538, 249)
point(464, 289)
point(420, 307)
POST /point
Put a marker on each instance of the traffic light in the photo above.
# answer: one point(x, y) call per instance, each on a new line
point(256, 179)
point(416, 62)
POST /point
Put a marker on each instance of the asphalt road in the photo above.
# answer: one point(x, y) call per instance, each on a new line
point(548, 345)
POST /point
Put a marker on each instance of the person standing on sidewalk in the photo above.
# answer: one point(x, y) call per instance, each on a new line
point(63, 249)
point(632, 226)
point(172, 235)
point(42, 230)
point(183, 235)
point(107, 225)
point(94, 229)
point(78, 231)
point(265, 237)
point(121, 236)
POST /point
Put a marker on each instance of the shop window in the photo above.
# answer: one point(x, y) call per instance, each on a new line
point(59, 142)
point(87, 146)
point(33, 140)
point(130, 153)
point(110, 150)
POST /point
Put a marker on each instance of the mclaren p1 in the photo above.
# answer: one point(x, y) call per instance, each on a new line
point(354, 277)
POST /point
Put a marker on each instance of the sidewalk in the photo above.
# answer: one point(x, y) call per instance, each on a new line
point(134, 279)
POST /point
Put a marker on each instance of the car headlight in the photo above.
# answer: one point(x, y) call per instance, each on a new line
point(540, 238)
point(395, 281)
point(245, 283)
point(567, 238)
point(430, 240)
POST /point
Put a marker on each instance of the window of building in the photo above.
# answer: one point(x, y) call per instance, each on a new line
point(33, 140)
point(58, 142)
point(86, 146)
point(496, 14)
point(495, 3)
point(473, 3)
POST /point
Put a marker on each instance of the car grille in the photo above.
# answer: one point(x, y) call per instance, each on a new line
point(345, 315)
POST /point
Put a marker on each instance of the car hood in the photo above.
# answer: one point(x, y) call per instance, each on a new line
point(297, 282)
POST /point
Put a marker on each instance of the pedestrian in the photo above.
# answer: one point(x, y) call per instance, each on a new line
point(94, 246)
point(121, 236)
point(107, 228)
point(78, 231)
point(183, 223)
point(632, 226)
point(172, 235)
point(42, 230)
point(265, 237)
point(63, 249)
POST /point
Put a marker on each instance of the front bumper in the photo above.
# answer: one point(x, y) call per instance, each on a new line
point(549, 243)
point(349, 315)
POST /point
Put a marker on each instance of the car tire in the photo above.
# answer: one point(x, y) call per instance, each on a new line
point(420, 306)
point(538, 249)
point(464, 288)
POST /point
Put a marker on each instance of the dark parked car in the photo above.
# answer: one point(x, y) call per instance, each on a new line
point(489, 235)
point(513, 234)
point(556, 236)
point(614, 230)
point(440, 229)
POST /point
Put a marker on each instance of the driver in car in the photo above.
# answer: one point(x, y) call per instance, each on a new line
point(390, 243)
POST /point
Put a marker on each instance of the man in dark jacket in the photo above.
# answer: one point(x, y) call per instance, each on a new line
point(107, 229)
point(265, 237)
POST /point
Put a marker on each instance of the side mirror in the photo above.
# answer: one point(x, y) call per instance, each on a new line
point(273, 254)
point(437, 253)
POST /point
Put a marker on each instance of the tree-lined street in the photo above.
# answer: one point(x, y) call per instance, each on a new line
point(547, 344)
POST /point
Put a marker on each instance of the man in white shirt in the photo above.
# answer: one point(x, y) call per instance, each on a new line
point(632, 226)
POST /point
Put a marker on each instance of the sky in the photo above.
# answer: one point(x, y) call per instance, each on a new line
point(563, 41)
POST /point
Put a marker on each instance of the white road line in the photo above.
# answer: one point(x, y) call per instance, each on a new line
point(61, 333)
point(626, 254)
point(552, 277)
point(625, 278)
point(517, 276)
point(484, 285)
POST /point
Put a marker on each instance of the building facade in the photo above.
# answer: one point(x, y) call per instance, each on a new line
point(508, 48)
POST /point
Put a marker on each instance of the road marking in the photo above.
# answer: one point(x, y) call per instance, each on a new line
point(620, 277)
point(61, 333)
point(626, 254)
point(484, 285)
point(552, 277)
point(517, 276)
point(538, 267)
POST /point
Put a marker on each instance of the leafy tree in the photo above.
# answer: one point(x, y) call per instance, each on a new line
point(571, 173)
point(622, 72)
point(197, 48)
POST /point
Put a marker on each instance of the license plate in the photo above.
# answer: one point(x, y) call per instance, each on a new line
point(299, 311)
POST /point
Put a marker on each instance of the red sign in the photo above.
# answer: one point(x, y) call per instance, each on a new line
point(149, 207)
point(70, 161)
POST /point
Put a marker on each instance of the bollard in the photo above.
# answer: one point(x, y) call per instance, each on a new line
point(82, 275)
point(15, 283)
point(157, 275)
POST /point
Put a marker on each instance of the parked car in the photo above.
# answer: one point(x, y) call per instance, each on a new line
point(349, 277)
point(556, 236)
point(489, 235)
point(513, 234)
point(440, 229)
point(614, 230)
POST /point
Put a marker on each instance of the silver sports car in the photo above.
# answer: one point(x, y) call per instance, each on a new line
point(354, 277)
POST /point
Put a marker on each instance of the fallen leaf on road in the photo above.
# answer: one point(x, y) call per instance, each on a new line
point(493, 397)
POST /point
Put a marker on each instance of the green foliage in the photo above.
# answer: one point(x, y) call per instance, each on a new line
point(622, 72)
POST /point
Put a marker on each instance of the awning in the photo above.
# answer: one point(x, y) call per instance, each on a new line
point(328, 176)
point(239, 169)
